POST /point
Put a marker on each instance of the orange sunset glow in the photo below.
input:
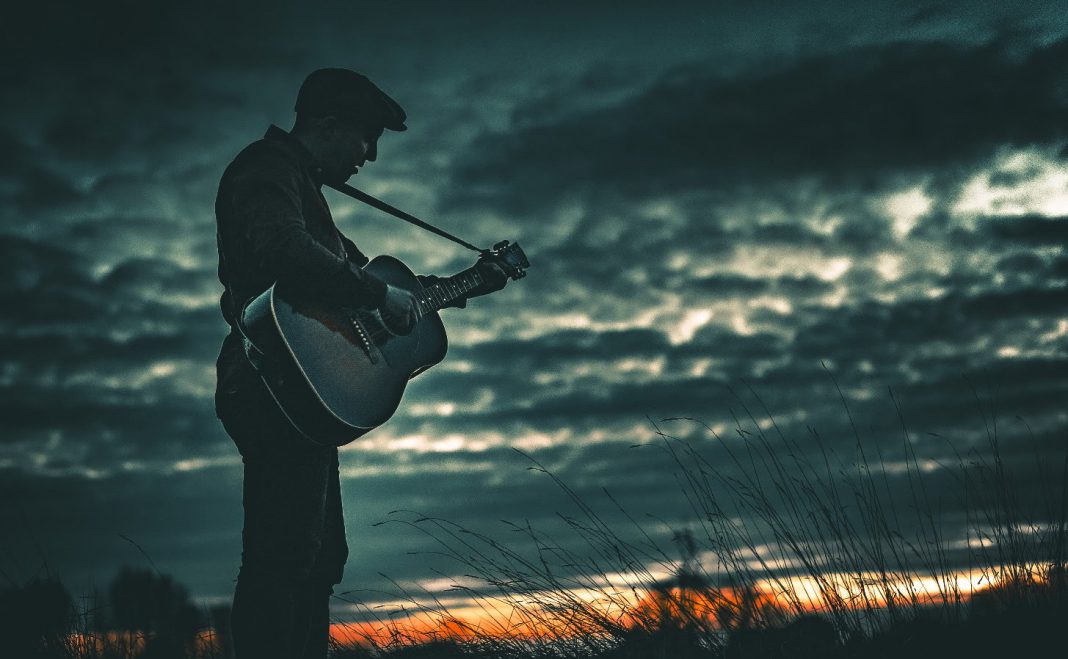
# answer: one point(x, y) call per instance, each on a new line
point(671, 605)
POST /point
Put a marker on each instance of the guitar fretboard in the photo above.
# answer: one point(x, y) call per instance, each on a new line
point(446, 290)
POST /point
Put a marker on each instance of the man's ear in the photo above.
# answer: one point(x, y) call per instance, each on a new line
point(328, 125)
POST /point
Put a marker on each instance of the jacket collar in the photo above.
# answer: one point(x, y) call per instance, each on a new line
point(295, 147)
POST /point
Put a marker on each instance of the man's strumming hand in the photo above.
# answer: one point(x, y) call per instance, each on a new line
point(400, 310)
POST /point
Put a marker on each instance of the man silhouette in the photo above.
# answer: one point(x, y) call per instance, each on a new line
point(274, 225)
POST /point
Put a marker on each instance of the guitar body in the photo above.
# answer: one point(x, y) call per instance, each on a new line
point(337, 373)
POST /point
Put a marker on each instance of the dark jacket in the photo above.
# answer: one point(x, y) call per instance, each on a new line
point(274, 225)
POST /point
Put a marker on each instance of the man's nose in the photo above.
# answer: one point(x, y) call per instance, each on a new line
point(372, 152)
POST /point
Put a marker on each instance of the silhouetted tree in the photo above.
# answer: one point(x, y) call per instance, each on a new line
point(35, 618)
point(153, 604)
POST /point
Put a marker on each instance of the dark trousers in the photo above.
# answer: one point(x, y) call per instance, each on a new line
point(293, 541)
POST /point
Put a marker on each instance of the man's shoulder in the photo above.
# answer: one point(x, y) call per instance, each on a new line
point(264, 157)
point(260, 163)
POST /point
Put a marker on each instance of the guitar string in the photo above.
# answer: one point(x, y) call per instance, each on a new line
point(437, 295)
point(466, 282)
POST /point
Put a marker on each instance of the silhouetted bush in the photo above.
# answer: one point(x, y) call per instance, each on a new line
point(35, 618)
point(157, 607)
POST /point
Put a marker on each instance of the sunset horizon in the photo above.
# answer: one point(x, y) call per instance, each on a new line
point(759, 298)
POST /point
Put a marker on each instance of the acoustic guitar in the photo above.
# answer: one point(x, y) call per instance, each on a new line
point(339, 372)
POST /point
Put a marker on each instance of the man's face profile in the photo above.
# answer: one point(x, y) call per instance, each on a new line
point(348, 147)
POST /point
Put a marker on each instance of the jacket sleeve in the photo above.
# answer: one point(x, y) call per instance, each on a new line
point(353, 252)
point(267, 201)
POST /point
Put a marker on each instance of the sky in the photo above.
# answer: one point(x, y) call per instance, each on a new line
point(726, 205)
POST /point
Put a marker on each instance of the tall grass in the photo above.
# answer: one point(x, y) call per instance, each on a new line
point(781, 528)
point(793, 544)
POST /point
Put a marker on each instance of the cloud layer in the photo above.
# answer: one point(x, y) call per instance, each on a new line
point(708, 219)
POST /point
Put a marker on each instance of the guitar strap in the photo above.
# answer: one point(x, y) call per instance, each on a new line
point(360, 195)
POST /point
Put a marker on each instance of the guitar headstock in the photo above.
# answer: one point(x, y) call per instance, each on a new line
point(510, 257)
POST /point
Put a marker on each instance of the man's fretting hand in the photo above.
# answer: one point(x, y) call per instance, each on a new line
point(493, 278)
point(400, 310)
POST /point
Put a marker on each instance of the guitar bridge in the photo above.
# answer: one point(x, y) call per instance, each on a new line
point(364, 339)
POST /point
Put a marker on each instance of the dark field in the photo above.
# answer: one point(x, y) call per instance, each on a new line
point(835, 566)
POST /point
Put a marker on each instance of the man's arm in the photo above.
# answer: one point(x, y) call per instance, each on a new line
point(359, 259)
point(493, 276)
point(353, 252)
point(268, 204)
point(494, 279)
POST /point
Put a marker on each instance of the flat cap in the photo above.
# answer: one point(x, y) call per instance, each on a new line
point(346, 93)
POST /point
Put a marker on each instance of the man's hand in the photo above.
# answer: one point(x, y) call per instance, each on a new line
point(493, 278)
point(400, 310)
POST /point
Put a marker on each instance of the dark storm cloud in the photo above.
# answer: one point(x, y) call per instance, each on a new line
point(874, 328)
point(128, 317)
point(194, 518)
point(730, 285)
point(850, 118)
point(877, 344)
point(1033, 389)
point(888, 336)
point(781, 233)
point(154, 120)
point(1025, 265)
point(98, 425)
point(124, 71)
point(1009, 304)
point(26, 183)
point(661, 397)
point(628, 259)
point(78, 350)
point(1029, 230)
point(566, 345)
point(24, 264)
point(608, 397)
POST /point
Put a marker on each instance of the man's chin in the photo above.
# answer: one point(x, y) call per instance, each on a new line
point(338, 178)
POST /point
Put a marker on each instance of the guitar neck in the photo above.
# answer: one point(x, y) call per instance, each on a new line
point(447, 289)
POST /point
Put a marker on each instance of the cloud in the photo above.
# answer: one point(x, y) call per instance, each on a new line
point(957, 318)
point(27, 183)
point(851, 118)
point(104, 369)
point(1028, 230)
point(699, 225)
